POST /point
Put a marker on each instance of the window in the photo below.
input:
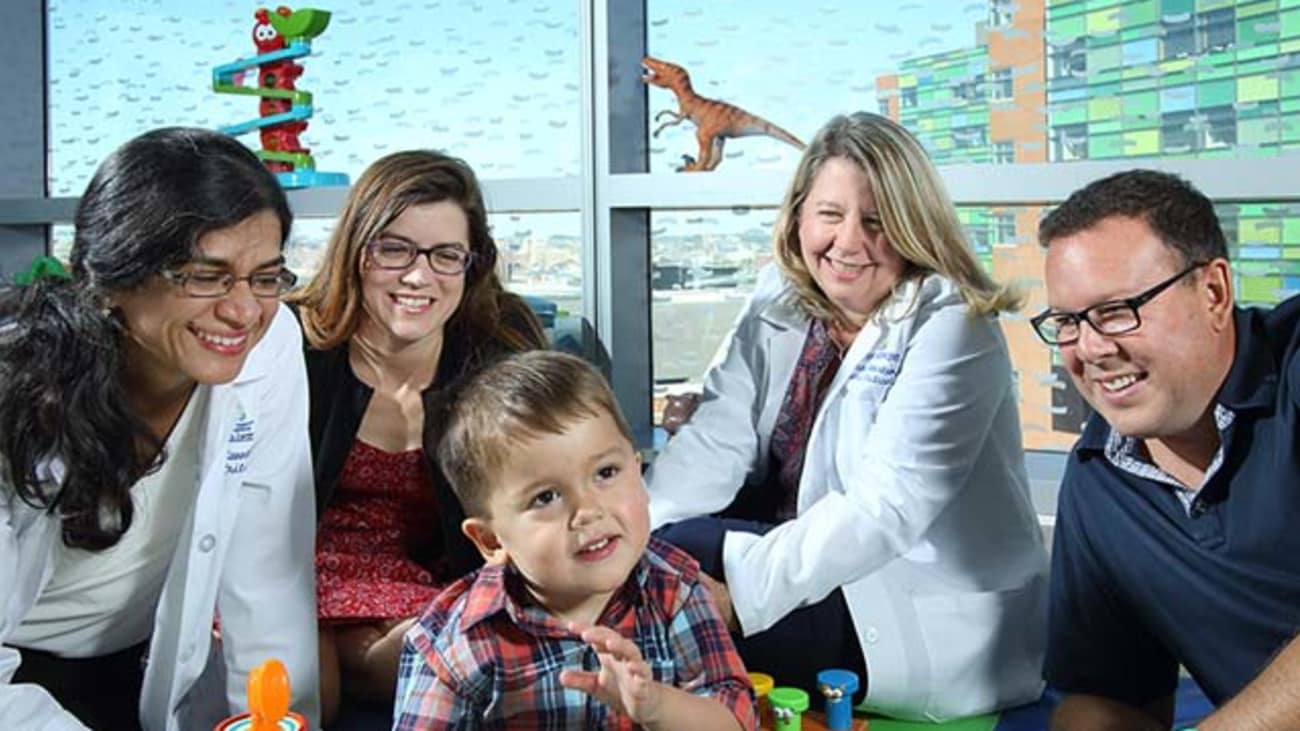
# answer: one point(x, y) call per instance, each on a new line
point(1069, 411)
point(975, 136)
point(1179, 34)
point(1177, 133)
point(970, 89)
point(1196, 130)
point(1220, 127)
point(1107, 95)
point(1001, 13)
point(1070, 142)
point(703, 268)
point(376, 87)
point(1001, 87)
point(1218, 29)
point(1004, 229)
point(1070, 60)
point(540, 254)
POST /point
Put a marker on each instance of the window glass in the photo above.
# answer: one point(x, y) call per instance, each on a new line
point(1062, 80)
point(704, 264)
point(703, 267)
point(495, 84)
point(1030, 81)
point(539, 254)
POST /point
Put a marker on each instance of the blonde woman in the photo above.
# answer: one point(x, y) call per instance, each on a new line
point(859, 437)
point(407, 302)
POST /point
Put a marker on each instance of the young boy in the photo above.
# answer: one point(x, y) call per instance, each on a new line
point(579, 619)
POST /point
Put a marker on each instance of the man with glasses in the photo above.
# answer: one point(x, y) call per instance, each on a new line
point(1178, 529)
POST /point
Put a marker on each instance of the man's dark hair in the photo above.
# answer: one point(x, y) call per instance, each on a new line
point(1178, 213)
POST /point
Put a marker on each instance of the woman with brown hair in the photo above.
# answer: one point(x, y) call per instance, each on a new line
point(406, 303)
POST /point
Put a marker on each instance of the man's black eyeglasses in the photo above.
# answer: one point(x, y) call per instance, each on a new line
point(1115, 317)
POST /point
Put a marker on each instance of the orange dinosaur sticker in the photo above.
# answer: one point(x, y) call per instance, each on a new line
point(714, 120)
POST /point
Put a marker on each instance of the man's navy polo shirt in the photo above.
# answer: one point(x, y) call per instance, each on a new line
point(1139, 585)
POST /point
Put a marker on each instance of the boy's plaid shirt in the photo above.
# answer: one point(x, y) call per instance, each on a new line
point(478, 658)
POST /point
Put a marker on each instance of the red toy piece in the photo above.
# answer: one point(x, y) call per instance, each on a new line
point(281, 137)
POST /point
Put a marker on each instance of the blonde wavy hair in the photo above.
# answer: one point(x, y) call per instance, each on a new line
point(330, 305)
point(918, 219)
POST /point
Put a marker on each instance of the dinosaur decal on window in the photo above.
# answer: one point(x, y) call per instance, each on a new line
point(714, 120)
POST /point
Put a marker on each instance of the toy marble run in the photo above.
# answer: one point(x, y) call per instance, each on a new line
point(786, 709)
point(281, 37)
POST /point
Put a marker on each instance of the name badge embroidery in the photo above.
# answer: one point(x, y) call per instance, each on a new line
point(240, 444)
point(879, 368)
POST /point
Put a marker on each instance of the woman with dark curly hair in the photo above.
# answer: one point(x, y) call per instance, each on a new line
point(406, 303)
point(155, 464)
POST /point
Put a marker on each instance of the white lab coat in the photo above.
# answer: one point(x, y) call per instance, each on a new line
point(245, 551)
point(913, 497)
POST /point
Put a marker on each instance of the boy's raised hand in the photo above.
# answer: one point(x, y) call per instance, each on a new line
point(624, 681)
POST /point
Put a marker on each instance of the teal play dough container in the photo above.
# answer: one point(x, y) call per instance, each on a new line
point(788, 705)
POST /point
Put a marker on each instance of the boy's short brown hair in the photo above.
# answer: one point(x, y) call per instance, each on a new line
point(511, 400)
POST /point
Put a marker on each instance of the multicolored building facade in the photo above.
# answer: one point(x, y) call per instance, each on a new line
point(1062, 80)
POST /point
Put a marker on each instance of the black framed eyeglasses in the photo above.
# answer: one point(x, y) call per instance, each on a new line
point(217, 284)
point(1115, 317)
point(400, 254)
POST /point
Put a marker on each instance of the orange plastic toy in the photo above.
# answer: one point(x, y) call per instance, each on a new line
point(268, 702)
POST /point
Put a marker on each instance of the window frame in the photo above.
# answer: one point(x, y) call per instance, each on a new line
point(609, 203)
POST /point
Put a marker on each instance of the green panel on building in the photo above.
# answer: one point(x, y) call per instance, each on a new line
point(1106, 146)
point(1290, 22)
point(1257, 31)
point(1247, 10)
point(1103, 108)
point(1110, 126)
point(1141, 104)
point(1142, 142)
point(1259, 230)
point(1135, 32)
point(1215, 93)
point(1139, 13)
point(1257, 88)
point(1260, 56)
point(1262, 290)
point(1103, 90)
point(1141, 78)
point(1104, 58)
point(1291, 233)
point(1068, 29)
point(1267, 109)
point(1069, 114)
point(1254, 132)
point(1102, 23)
point(1290, 131)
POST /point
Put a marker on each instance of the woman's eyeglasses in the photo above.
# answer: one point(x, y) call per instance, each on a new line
point(218, 284)
point(400, 254)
